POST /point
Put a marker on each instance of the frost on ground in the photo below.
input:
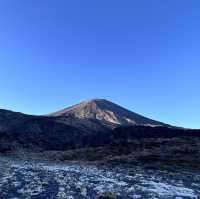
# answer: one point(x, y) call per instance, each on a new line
point(43, 180)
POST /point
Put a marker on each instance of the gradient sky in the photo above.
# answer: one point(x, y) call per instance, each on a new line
point(142, 54)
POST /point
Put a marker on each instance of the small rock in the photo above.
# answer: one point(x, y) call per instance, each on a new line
point(83, 191)
point(107, 195)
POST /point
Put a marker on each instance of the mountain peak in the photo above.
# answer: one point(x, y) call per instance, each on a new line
point(97, 100)
point(107, 112)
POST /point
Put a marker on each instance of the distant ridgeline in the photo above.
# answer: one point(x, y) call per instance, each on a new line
point(89, 124)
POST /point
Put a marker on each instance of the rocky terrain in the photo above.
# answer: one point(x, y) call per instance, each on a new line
point(40, 180)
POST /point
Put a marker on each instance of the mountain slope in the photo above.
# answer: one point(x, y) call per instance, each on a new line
point(107, 113)
point(11, 119)
point(44, 133)
point(19, 131)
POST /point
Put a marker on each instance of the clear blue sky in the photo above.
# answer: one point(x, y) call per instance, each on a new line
point(142, 54)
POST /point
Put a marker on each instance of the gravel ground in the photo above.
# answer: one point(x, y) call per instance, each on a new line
point(45, 180)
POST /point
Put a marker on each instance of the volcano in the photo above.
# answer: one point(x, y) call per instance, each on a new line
point(105, 113)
